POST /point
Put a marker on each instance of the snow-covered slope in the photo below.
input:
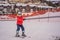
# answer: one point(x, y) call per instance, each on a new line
point(37, 30)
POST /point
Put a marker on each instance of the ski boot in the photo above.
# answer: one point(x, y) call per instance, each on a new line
point(23, 34)
point(17, 34)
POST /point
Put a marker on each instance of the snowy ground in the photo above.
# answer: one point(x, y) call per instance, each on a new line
point(39, 29)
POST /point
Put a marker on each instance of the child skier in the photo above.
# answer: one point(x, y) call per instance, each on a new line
point(20, 20)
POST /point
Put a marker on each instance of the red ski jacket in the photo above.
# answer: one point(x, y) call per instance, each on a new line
point(20, 20)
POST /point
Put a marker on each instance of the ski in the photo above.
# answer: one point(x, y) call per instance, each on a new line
point(23, 36)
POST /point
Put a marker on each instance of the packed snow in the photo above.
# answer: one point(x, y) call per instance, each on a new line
point(38, 29)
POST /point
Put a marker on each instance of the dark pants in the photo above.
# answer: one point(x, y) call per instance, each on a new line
point(20, 26)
